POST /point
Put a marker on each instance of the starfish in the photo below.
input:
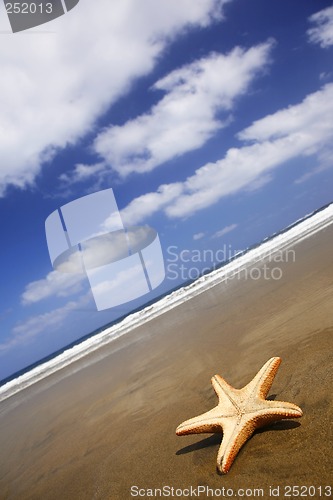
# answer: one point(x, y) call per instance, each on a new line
point(240, 412)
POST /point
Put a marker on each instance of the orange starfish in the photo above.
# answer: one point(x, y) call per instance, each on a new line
point(240, 412)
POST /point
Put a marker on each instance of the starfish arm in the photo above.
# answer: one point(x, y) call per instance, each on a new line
point(235, 434)
point(226, 393)
point(272, 411)
point(207, 422)
point(262, 382)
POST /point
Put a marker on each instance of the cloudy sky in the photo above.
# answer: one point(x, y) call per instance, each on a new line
point(211, 120)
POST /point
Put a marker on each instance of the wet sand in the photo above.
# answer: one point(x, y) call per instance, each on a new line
point(108, 422)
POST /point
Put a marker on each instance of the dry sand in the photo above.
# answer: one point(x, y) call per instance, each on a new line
point(94, 433)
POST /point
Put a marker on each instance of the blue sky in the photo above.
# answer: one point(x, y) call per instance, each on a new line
point(212, 121)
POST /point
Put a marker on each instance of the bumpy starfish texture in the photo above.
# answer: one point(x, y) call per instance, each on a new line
point(240, 412)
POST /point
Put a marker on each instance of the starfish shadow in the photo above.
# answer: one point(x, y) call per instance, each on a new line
point(214, 439)
point(281, 425)
point(204, 443)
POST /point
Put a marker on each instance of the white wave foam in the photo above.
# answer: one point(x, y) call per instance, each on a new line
point(280, 242)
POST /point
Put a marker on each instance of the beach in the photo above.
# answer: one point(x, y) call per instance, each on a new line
point(104, 427)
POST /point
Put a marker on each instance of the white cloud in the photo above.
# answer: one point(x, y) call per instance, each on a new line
point(55, 284)
point(146, 205)
point(322, 32)
point(113, 246)
point(238, 170)
point(311, 118)
point(54, 85)
point(38, 324)
point(25, 331)
point(224, 231)
point(94, 173)
point(301, 130)
point(124, 280)
point(187, 116)
point(82, 173)
point(198, 236)
point(297, 131)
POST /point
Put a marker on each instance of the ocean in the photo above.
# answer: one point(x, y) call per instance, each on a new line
point(279, 242)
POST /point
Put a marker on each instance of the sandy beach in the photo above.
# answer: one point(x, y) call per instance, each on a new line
point(107, 423)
